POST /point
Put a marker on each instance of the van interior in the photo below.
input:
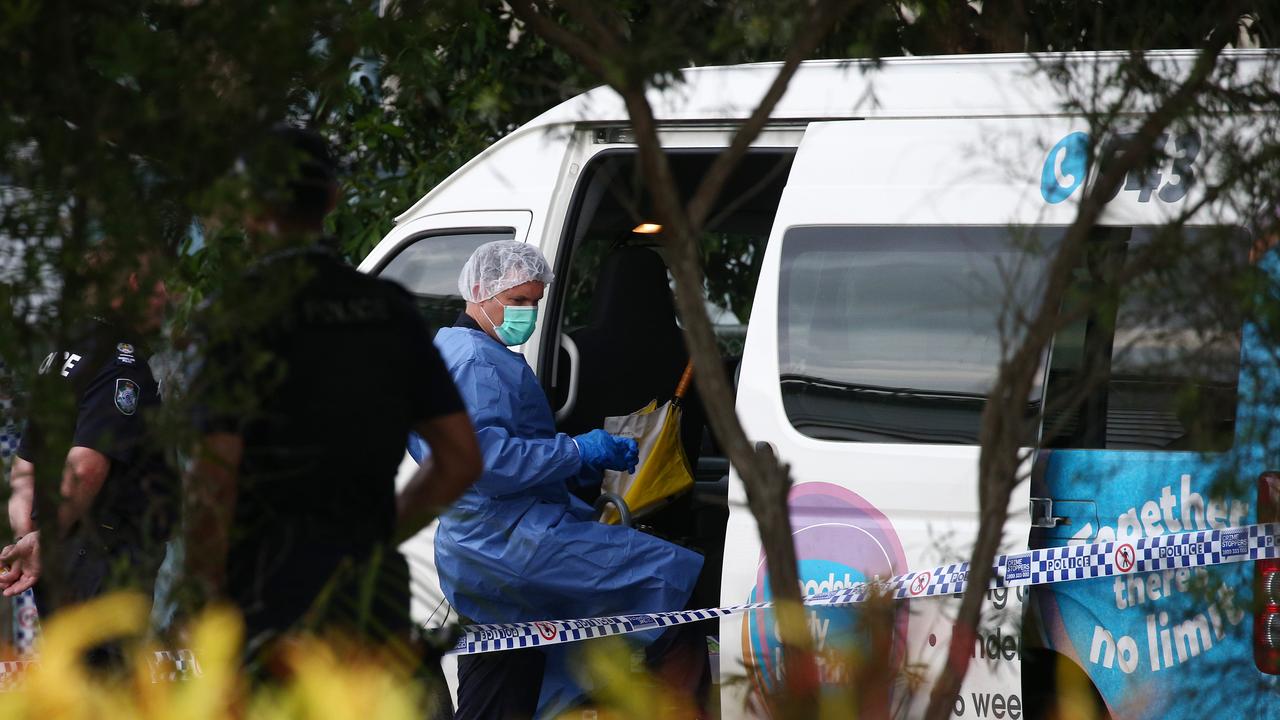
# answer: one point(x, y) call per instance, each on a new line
point(614, 301)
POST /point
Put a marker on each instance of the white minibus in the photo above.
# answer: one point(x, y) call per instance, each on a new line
point(861, 265)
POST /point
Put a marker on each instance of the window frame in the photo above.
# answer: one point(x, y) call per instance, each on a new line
point(411, 241)
point(417, 237)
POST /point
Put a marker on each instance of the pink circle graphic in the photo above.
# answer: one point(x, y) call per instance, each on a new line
point(841, 539)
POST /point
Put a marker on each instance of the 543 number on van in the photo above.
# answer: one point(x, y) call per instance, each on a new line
point(1067, 167)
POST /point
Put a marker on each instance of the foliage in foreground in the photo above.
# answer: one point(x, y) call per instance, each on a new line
point(323, 683)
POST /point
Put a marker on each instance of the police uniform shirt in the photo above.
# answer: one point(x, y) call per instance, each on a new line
point(322, 371)
point(114, 394)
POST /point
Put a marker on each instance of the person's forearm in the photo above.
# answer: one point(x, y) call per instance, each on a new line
point(22, 495)
point(454, 465)
point(83, 476)
point(514, 464)
point(431, 490)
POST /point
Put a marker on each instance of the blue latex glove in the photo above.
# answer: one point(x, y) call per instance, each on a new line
point(603, 451)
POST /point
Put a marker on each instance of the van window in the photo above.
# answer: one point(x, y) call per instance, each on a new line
point(428, 267)
point(892, 334)
point(1155, 366)
point(731, 247)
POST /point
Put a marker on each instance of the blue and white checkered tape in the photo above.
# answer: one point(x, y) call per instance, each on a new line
point(165, 666)
point(1198, 548)
point(26, 623)
point(9, 435)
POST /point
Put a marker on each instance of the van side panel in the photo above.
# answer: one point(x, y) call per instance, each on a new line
point(863, 509)
point(1176, 643)
point(523, 171)
point(1152, 640)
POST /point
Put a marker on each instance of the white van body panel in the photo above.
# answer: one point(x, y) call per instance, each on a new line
point(881, 173)
point(512, 173)
point(521, 172)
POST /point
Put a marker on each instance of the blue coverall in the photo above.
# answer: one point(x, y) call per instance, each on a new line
point(518, 545)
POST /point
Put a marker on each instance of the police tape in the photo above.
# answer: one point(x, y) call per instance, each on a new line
point(165, 666)
point(1071, 563)
point(1195, 548)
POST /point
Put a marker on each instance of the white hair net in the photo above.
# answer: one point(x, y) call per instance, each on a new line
point(502, 265)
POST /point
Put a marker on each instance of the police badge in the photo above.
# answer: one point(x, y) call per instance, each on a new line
point(127, 393)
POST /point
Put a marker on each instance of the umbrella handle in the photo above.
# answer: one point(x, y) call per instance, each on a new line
point(685, 380)
point(608, 498)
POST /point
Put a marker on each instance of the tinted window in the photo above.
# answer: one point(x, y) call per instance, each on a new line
point(893, 334)
point(429, 268)
point(1151, 364)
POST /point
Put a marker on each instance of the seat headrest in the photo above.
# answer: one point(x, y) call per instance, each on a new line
point(632, 291)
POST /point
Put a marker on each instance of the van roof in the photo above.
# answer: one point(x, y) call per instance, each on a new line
point(953, 86)
point(945, 86)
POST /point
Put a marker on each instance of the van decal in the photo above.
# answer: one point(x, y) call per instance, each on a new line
point(1153, 638)
point(841, 539)
point(1175, 508)
point(1067, 167)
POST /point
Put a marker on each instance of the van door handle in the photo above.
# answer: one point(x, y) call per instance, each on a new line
point(1042, 514)
point(575, 362)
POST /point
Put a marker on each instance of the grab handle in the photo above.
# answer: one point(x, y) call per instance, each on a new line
point(571, 395)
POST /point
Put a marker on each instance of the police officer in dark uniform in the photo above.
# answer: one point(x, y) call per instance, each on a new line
point(312, 376)
point(118, 495)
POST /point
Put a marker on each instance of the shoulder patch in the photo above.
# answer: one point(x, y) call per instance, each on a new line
point(124, 349)
point(127, 394)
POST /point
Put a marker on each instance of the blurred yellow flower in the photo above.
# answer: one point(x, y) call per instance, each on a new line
point(327, 681)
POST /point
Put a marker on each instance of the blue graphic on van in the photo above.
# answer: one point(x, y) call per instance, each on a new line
point(835, 629)
point(1150, 641)
point(1065, 167)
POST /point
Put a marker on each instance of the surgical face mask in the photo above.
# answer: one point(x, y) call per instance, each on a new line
point(518, 322)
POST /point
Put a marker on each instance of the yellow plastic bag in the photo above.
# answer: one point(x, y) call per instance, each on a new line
point(663, 471)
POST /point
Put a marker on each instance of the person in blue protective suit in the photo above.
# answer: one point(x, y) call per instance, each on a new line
point(518, 545)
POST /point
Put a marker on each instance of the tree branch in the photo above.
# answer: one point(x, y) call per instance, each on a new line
point(609, 44)
point(591, 57)
point(766, 480)
point(817, 25)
